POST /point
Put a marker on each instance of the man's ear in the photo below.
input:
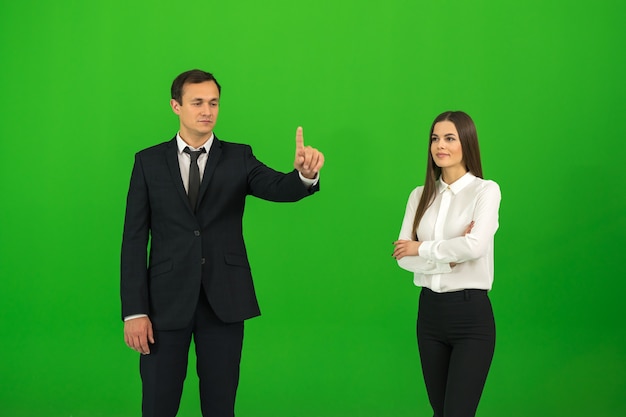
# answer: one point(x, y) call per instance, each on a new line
point(175, 106)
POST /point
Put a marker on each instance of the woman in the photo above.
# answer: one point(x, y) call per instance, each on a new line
point(446, 240)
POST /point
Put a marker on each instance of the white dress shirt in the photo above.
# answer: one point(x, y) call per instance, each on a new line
point(441, 232)
point(184, 159)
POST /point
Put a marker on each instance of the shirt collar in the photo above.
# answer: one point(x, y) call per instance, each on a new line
point(181, 144)
point(457, 185)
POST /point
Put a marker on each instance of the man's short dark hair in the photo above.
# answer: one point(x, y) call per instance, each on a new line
point(194, 76)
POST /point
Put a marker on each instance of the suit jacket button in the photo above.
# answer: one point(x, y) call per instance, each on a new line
point(203, 261)
point(196, 232)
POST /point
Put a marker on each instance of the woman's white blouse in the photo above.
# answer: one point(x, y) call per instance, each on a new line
point(441, 233)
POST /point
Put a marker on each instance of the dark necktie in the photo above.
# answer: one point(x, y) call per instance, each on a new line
point(194, 176)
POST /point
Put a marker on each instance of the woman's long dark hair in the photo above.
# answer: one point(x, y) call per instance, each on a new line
point(471, 157)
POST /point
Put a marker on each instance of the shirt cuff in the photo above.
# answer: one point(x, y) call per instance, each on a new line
point(425, 249)
point(134, 316)
point(309, 182)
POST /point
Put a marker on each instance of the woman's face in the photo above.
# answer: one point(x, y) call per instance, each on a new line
point(445, 146)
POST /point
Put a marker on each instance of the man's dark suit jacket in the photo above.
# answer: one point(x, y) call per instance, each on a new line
point(187, 249)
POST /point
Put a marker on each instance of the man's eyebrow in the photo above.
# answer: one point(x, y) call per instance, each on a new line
point(202, 99)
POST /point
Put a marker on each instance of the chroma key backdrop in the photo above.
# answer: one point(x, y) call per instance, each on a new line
point(86, 85)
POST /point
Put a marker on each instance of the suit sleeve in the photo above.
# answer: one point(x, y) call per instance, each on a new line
point(268, 184)
point(134, 272)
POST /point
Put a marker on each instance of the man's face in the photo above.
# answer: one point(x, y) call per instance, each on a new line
point(198, 110)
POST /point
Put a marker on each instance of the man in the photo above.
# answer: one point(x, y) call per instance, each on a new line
point(185, 203)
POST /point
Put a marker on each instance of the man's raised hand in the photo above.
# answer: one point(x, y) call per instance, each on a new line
point(308, 160)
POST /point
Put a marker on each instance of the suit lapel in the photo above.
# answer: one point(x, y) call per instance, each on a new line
point(214, 156)
point(172, 163)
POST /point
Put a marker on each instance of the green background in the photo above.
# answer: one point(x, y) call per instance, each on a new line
point(86, 84)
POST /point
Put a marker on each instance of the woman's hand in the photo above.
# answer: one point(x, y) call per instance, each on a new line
point(469, 228)
point(405, 248)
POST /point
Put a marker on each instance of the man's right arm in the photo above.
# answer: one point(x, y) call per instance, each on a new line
point(134, 273)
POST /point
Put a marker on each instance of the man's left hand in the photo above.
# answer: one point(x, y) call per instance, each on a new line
point(308, 160)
